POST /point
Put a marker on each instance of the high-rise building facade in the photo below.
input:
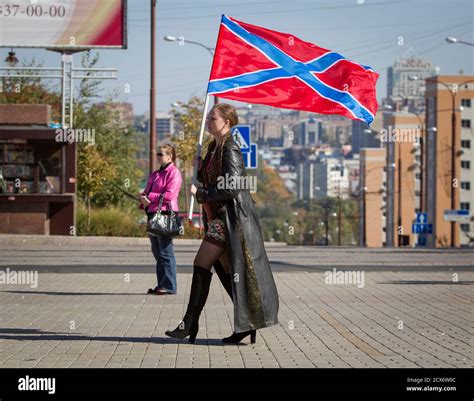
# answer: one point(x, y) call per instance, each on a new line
point(372, 197)
point(402, 137)
point(406, 83)
point(449, 169)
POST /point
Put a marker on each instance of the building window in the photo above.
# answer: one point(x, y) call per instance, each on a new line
point(465, 206)
point(465, 164)
point(466, 144)
point(418, 176)
point(466, 102)
point(465, 185)
point(465, 227)
point(466, 123)
point(417, 193)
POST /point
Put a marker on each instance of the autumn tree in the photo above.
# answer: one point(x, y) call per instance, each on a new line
point(94, 171)
point(188, 117)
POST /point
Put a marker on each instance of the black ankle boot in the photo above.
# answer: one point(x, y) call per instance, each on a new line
point(236, 338)
point(197, 299)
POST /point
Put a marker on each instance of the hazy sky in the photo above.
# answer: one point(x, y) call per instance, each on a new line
point(367, 33)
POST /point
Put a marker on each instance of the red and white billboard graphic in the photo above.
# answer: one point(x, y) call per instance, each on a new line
point(63, 23)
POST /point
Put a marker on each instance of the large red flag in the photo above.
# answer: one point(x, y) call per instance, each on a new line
point(257, 65)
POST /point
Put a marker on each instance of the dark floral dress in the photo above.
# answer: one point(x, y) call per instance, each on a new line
point(209, 174)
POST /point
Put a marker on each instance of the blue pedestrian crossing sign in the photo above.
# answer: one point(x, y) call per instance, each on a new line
point(241, 135)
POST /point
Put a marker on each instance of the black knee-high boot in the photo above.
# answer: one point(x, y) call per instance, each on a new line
point(224, 277)
point(226, 280)
point(197, 299)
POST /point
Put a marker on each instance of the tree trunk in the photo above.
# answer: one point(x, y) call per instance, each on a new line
point(185, 189)
point(88, 213)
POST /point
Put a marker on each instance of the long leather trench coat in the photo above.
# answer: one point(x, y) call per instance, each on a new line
point(254, 291)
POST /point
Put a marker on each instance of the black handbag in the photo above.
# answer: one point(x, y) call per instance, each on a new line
point(167, 225)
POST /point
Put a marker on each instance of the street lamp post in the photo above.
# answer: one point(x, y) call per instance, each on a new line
point(399, 166)
point(152, 91)
point(339, 223)
point(181, 39)
point(422, 138)
point(422, 125)
point(450, 39)
point(326, 228)
point(11, 58)
point(333, 215)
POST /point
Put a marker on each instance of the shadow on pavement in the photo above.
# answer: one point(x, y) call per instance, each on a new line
point(40, 335)
point(429, 282)
point(23, 331)
point(75, 293)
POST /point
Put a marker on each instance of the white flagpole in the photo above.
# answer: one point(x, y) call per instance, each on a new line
point(198, 153)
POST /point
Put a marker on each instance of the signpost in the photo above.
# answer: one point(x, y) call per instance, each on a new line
point(422, 218)
point(241, 135)
point(250, 158)
point(456, 215)
point(421, 227)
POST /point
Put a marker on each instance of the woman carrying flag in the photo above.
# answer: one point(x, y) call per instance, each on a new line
point(233, 239)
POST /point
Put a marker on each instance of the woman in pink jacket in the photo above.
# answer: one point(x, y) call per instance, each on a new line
point(163, 182)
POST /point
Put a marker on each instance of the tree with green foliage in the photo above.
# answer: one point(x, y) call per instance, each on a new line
point(95, 172)
point(115, 144)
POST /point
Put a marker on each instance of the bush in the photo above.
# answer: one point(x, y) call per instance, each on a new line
point(115, 221)
point(110, 222)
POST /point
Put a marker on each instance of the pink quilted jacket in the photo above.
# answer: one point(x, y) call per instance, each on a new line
point(167, 182)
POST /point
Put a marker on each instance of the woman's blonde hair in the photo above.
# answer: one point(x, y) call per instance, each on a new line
point(169, 150)
point(227, 112)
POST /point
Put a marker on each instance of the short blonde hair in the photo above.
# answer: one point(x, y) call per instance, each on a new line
point(169, 150)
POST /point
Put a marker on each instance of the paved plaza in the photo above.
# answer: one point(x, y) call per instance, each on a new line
point(89, 308)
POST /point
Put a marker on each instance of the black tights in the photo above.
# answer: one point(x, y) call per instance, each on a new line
point(208, 254)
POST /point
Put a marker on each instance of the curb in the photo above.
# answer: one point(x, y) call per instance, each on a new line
point(19, 239)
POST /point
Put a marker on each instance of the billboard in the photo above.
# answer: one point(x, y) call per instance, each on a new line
point(64, 24)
